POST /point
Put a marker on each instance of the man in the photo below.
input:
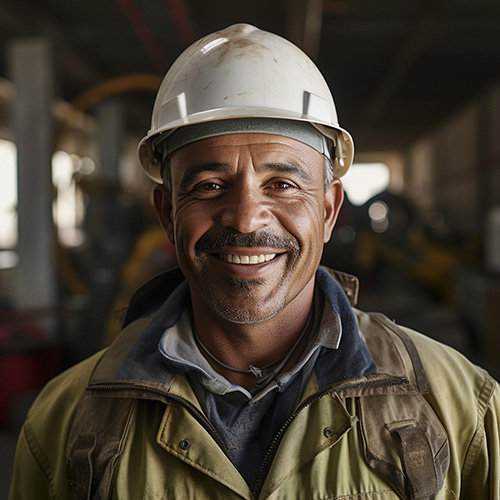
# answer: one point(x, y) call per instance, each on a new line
point(251, 375)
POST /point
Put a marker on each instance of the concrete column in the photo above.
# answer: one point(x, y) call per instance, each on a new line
point(111, 116)
point(108, 228)
point(30, 66)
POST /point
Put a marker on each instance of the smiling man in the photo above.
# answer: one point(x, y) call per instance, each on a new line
point(249, 214)
point(248, 372)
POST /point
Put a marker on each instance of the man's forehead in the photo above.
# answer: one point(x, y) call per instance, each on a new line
point(262, 151)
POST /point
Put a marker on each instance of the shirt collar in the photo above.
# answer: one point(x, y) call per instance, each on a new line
point(181, 353)
point(161, 346)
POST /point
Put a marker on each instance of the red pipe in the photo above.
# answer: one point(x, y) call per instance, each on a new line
point(153, 48)
point(182, 23)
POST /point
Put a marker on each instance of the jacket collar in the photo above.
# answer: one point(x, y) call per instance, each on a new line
point(390, 356)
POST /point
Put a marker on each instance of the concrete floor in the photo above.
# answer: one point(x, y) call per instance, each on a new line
point(8, 441)
point(8, 447)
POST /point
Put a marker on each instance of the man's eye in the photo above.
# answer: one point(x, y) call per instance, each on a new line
point(208, 189)
point(282, 185)
point(207, 186)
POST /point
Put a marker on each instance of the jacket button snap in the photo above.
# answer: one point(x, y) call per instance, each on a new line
point(327, 432)
point(185, 444)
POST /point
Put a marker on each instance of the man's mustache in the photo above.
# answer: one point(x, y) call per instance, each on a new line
point(209, 243)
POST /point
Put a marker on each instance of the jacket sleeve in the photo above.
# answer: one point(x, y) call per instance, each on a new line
point(481, 476)
point(29, 479)
point(40, 461)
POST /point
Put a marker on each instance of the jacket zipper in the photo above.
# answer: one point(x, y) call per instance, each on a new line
point(197, 414)
point(208, 426)
point(266, 463)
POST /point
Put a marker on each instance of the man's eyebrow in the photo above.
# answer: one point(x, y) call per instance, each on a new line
point(194, 171)
point(287, 168)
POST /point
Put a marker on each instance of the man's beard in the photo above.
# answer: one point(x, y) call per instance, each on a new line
point(244, 287)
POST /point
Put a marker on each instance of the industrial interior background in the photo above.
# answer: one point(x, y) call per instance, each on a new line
point(416, 82)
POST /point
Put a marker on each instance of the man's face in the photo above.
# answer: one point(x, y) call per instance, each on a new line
point(249, 215)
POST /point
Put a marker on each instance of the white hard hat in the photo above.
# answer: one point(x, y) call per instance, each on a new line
point(243, 72)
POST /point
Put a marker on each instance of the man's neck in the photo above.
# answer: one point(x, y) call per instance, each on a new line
point(259, 344)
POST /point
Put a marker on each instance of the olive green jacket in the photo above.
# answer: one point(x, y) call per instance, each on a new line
point(426, 426)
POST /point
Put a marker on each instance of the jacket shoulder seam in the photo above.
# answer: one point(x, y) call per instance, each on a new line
point(411, 349)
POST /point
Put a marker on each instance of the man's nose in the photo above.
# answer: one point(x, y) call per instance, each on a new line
point(245, 211)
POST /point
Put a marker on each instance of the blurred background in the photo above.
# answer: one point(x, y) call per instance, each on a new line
point(417, 83)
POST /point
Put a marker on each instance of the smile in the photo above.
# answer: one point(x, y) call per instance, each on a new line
point(246, 259)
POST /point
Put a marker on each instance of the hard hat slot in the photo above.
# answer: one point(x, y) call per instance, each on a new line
point(171, 110)
point(314, 105)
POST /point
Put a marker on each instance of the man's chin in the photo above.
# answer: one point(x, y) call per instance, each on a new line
point(244, 316)
point(242, 308)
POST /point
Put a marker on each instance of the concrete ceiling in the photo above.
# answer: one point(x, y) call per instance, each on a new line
point(397, 68)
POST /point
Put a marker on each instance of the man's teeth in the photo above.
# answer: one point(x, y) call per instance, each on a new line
point(246, 259)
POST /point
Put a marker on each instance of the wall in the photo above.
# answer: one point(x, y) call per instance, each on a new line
point(455, 169)
point(494, 139)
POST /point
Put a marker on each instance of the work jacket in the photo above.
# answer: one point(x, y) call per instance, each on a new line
point(425, 426)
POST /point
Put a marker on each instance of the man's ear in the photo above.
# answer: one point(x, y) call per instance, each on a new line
point(162, 199)
point(334, 198)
